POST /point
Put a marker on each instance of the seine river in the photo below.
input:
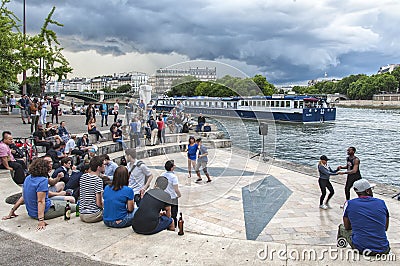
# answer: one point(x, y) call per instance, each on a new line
point(374, 133)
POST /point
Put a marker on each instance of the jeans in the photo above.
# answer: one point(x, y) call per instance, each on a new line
point(125, 222)
point(323, 185)
point(122, 143)
point(104, 118)
point(135, 140)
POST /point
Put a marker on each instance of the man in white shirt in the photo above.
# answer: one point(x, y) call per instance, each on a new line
point(139, 175)
point(172, 188)
point(70, 147)
point(110, 167)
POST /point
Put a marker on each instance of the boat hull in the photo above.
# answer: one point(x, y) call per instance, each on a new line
point(306, 115)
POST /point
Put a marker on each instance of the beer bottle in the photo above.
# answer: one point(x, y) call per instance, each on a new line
point(67, 212)
point(180, 225)
point(77, 209)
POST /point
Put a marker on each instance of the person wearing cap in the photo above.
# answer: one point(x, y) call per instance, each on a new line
point(325, 172)
point(353, 170)
point(365, 221)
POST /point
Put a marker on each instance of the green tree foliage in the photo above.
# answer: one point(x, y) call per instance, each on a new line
point(124, 88)
point(10, 47)
point(41, 51)
point(184, 86)
point(396, 74)
point(262, 83)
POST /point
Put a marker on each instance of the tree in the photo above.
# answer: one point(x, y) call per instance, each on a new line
point(44, 56)
point(124, 88)
point(40, 53)
point(10, 47)
point(266, 87)
point(184, 86)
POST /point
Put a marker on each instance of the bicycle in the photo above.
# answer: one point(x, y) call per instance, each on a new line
point(28, 148)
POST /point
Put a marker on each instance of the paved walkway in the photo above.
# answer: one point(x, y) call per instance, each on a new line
point(250, 207)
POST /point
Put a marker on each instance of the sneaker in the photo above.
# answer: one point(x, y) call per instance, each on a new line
point(328, 205)
point(323, 206)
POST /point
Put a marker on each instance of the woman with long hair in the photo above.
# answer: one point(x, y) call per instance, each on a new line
point(118, 200)
point(324, 173)
point(191, 153)
point(93, 130)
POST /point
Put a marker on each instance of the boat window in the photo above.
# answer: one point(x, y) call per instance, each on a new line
point(254, 103)
point(258, 103)
point(268, 103)
point(272, 104)
point(296, 104)
point(263, 103)
point(246, 103)
point(288, 104)
point(301, 104)
point(277, 103)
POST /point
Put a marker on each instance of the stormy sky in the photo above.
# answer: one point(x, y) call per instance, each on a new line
point(288, 41)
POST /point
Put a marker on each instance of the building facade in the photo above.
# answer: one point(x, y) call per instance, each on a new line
point(164, 78)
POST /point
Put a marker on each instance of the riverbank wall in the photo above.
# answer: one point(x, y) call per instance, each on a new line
point(377, 104)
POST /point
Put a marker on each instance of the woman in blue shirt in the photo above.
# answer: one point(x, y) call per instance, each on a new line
point(324, 173)
point(36, 194)
point(191, 153)
point(118, 200)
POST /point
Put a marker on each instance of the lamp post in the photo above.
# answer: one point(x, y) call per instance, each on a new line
point(24, 72)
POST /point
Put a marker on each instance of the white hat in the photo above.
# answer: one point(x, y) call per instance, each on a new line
point(362, 185)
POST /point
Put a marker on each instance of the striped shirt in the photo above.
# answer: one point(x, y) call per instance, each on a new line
point(90, 185)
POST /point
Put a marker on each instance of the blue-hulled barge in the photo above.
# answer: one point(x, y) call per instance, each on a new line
point(284, 108)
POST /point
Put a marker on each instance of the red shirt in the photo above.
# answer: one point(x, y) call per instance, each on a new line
point(160, 124)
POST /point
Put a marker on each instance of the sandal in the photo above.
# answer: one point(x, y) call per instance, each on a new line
point(209, 180)
point(9, 217)
point(199, 180)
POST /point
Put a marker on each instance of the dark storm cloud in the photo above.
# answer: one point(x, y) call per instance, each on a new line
point(285, 40)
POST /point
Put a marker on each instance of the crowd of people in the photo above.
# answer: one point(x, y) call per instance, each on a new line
point(122, 196)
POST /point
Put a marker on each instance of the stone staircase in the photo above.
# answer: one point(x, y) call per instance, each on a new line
point(174, 143)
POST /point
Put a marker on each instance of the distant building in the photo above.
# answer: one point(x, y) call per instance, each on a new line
point(388, 68)
point(164, 77)
point(135, 79)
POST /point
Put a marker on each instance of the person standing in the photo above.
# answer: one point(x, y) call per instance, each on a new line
point(55, 103)
point(325, 172)
point(353, 170)
point(128, 111)
point(134, 133)
point(191, 153)
point(91, 192)
point(43, 112)
point(12, 102)
point(104, 113)
point(35, 114)
point(161, 129)
point(172, 188)
point(23, 104)
point(202, 161)
point(365, 221)
point(154, 130)
point(116, 110)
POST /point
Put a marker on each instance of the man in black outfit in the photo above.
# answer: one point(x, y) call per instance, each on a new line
point(40, 138)
point(201, 120)
point(147, 219)
point(353, 170)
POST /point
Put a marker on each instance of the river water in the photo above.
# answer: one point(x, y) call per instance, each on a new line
point(374, 133)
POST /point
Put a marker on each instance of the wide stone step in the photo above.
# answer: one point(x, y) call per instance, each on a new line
point(150, 151)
